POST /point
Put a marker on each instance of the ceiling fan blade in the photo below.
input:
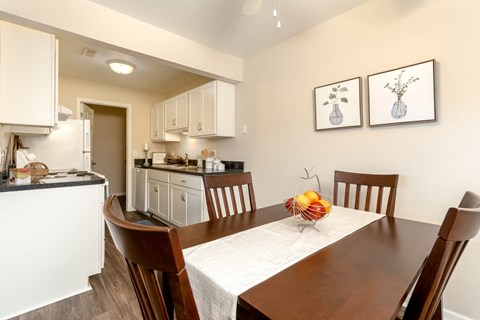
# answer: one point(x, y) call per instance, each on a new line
point(251, 7)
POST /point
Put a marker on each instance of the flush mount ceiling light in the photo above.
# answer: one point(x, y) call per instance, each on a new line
point(121, 66)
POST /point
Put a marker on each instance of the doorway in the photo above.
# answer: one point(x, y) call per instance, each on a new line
point(108, 150)
point(112, 114)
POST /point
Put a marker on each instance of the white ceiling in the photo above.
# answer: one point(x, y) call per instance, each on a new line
point(216, 23)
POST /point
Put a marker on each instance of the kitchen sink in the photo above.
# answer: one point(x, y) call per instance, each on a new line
point(175, 166)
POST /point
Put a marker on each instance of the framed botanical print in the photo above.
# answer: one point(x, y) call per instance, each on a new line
point(402, 95)
point(338, 105)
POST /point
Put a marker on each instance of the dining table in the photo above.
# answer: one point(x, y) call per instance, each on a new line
point(339, 268)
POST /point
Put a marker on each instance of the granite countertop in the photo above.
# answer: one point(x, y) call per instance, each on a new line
point(190, 170)
point(53, 181)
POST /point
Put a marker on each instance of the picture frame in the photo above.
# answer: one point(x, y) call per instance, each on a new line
point(403, 95)
point(338, 105)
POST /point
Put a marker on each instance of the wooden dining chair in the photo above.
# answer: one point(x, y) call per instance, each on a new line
point(225, 194)
point(458, 227)
point(372, 183)
point(155, 263)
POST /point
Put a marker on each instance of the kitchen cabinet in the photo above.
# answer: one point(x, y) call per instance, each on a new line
point(157, 125)
point(187, 203)
point(52, 241)
point(158, 191)
point(28, 76)
point(212, 110)
point(176, 113)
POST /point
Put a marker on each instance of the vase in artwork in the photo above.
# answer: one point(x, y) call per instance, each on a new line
point(399, 109)
point(336, 117)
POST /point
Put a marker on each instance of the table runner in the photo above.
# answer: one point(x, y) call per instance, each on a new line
point(222, 269)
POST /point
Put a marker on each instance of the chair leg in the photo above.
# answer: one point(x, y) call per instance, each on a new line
point(438, 315)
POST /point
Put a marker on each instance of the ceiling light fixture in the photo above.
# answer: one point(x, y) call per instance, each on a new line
point(121, 66)
point(276, 13)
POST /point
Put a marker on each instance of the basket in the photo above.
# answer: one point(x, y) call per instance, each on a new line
point(38, 170)
point(304, 214)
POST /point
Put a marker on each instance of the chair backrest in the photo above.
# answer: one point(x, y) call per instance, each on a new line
point(372, 183)
point(459, 226)
point(151, 252)
point(225, 194)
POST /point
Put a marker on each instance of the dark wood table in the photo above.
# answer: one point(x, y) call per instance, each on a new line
point(365, 275)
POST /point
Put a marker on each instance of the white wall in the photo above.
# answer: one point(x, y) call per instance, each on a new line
point(91, 20)
point(437, 162)
point(71, 88)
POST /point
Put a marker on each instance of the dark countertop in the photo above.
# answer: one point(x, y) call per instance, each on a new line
point(191, 170)
point(57, 182)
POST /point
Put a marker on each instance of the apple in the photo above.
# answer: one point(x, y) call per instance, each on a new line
point(327, 204)
point(317, 210)
point(289, 205)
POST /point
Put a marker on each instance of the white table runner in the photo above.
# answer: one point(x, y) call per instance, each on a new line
point(220, 270)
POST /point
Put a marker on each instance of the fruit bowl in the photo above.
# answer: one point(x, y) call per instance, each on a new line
point(307, 212)
point(309, 207)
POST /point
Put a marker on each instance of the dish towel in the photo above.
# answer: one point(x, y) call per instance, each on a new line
point(222, 269)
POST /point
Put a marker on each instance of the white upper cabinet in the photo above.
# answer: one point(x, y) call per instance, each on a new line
point(28, 76)
point(157, 125)
point(212, 110)
point(176, 113)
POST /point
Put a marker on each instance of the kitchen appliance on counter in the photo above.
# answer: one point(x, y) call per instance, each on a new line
point(68, 147)
point(158, 157)
point(24, 158)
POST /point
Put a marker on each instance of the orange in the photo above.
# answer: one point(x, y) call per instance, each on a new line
point(302, 201)
point(312, 195)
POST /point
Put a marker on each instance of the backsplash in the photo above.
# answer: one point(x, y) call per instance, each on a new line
point(229, 165)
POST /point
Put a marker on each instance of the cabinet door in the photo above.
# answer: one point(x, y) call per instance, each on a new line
point(209, 108)
point(203, 108)
point(178, 205)
point(157, 123)
point(194, 206)
point(170, 114)
point(195, 113)
point(153, 198)
point(162, 194)
point(154, 133)
point(182, 111)
point(176, 113)
point(27, 76)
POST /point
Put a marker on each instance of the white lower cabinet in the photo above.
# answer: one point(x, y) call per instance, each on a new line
point(186, 205)
point(158, 193)
point(176, 198)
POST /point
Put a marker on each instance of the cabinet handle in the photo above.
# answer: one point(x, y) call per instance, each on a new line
point(174, 122)
point(198, 127)
point(156, 188)
point(183, 197)
point(184, 181)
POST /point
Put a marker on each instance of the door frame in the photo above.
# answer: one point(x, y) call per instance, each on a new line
point(80, 102)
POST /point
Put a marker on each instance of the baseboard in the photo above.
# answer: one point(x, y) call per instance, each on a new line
point(452, 315)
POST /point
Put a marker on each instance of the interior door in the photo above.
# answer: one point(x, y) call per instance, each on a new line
point(88, 125)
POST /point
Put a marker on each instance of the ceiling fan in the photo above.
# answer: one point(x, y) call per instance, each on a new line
point(251, 7)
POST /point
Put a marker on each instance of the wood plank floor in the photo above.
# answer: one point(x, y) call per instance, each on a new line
point(112, 295)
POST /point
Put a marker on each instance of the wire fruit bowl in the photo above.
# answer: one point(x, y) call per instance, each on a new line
point(314, 212)
point(306, 212)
